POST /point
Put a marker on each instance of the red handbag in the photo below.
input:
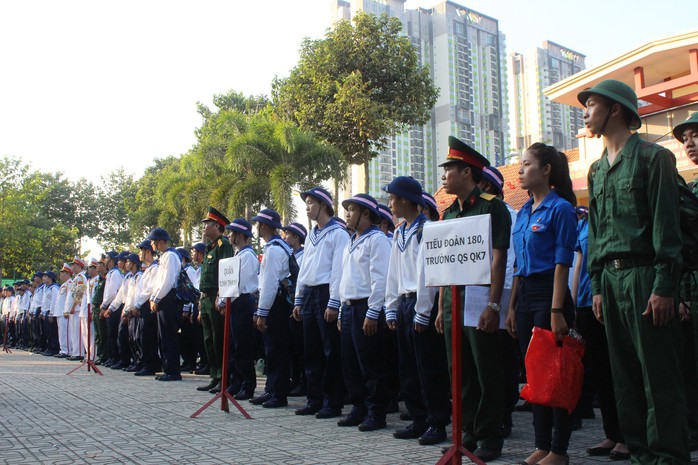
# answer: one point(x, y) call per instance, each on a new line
point(554, 372)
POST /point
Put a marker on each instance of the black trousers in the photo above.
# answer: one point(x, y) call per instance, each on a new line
point(364, 363)
point(113, 334)
point(276, 348)
point(52, 328)
point(169, 314)
point(123, 341)
point(43, 344)
point(133, 324)
point(147, 340)
point(424, 377)
point(241, 343)
point(321, 351)
point(297, 367)
point(596, 358)
point(187, 343)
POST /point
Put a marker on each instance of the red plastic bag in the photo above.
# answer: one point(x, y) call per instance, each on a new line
point(554, 372)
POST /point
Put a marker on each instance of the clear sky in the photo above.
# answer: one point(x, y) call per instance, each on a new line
point(89, 86)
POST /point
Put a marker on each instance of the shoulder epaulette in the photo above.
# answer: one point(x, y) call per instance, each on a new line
point(487, 196)
point(220, 242)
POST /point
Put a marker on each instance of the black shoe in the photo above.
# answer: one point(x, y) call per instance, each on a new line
point(275, 403)
point(259, 400)
point(298, 391)
point(328, 412)
point(244, 394)
point(599, 451)
point(60, 355)
point(215, 389)
point(132, 369)
point(405, 416)
point(371, 423)
point(202, 371)
point(214, 382)
point(617, 455)
point(97, 362)
point(433, 435)
point(187, 368)
point(412, 431)
point(354, 418)
point(117, 366)
point(74, 358)
point(167, 377)
point(144, 372)
point(308, 410)
point(487, 455)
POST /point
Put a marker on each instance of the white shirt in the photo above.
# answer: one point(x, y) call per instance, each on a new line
point(7, 304)
point(322, 261)
point(120, 298)
point(249, 270)
point(299, 256)
point(78, 288)
point(48, 307)
point(113, 282)
point(89, 295)
point(61, 298)
point(365, 268)
point(273, 269)
point(144, 288)
point(37, 298)
point(166, 277)
point(25, 301)
point(191, 272)
point(403, 275)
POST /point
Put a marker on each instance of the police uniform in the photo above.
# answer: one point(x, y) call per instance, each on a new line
point(35, 312)
point(316, 291)
point(62, 319)
point(243, 379)
point(77, 290)
point(635, 252)
point(187, 335)
point(100, 323)
point(211, 320)
point(50, 311)
point(362, 291)
point(483, 394)
point(275, 308)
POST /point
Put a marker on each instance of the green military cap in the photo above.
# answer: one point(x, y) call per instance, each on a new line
point(617, 91)
point(681, 127)
point(460, 151)
point(215, 215)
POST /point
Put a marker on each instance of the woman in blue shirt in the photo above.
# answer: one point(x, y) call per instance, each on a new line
point(544, 240)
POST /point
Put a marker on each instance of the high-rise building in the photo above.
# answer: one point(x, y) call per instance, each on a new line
point(534, 117)
point(465, 52)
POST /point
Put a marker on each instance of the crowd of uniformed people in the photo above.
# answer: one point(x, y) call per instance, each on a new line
point(341, 315)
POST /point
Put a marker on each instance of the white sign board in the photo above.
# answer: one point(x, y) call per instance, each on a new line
point(457, 252)
point(229, 277)
point(475, 302)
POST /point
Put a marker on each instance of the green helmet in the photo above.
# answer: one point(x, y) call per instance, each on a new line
point(681, 127)
point(617, 91)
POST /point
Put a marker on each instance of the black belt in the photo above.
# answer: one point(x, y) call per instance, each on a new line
point(625, 263)
point(356, 302)
point(410, 295)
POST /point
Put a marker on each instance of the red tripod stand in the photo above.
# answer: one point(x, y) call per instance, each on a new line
point(224, 396)
point(88, 360)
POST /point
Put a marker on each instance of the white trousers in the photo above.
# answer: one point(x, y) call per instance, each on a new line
point(76, 347)
point(63, 334)
point(83, 329)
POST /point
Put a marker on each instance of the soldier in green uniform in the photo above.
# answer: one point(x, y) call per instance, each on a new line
point(483, 379)
point(634, 265)
point(99, 322)
point(211, 319)
point(687, 133)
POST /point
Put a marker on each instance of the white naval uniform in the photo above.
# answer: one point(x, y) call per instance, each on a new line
point(61, 319)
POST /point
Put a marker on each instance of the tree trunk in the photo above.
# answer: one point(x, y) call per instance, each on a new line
point(367, 159)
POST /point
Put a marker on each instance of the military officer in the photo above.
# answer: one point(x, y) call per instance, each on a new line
point(211, 320)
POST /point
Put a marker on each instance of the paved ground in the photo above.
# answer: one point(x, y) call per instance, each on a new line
point(47, 417)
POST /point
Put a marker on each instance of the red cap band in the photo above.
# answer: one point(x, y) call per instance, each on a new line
point(454, 154)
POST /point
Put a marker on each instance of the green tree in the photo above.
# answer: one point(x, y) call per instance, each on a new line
point(115, 198)
point(357, 86)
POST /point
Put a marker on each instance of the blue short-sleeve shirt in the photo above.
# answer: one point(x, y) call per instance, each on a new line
point(584, 290)
point(545, 237)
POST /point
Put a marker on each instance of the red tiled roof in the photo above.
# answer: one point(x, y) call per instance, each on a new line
point(513, 194)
